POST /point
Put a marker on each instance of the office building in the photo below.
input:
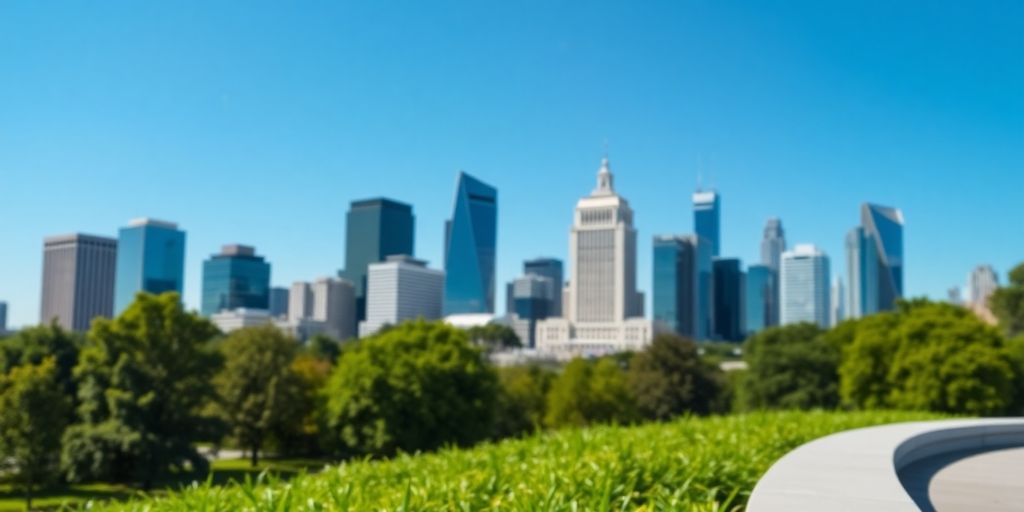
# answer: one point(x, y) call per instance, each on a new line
point(605, 309)
point(534, 298)
point(399, 289)
point(552, 269)
point(279, 298)
point(236, 278)
point(760, 298)
point(334, 304)
point(674, 285)
point(229, 320)
point(78, 280)
point(707, 213)
point(837, 302)
point(470, 248)
point(874, 255)
point(773, 244)
point(300, 301)
point(982, 282)
point(805, 286)
point(150, 258)
point(375, 229)
point(729, 297)
point(3, 317)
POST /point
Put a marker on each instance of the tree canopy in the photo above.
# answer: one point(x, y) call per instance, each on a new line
point(669, 378)
point(589, 392)
point(791, 367)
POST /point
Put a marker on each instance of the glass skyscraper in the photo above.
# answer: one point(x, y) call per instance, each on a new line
point(707, 212)
point(552, 269)
point(375, 229)
point(150, 258)
point(760, 297)
point(805, 286)
point(470, 248)
point(728, 298)
point(235, 278)
point(874, 255)
point(675, 285)
point(705, 320)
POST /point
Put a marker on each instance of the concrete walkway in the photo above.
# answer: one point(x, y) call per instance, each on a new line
point(969, 481)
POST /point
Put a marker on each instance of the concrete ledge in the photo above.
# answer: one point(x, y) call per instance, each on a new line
point(859, 469)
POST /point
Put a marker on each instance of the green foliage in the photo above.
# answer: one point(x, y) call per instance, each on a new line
point(692, 464)
point(418, 386)
point(303, 434)
point(669, 378)
point(33, 414)
point(258, 391)
point(588, 393)
point(34, 344)
point(928, 356)
point(323, 347)
point(522, 396)
point(791, 367)
point(494, 336)
point(1007, 303)
point(142, 379)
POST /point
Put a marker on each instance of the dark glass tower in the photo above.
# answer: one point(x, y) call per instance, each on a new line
point(761, 297)
point(470, 248)
point(707, 212)
point(552, 269)
point(150, 258)
point(874, 253)
point(675, 285)
point(235, 278)
point(728, 297)
point(376, 228)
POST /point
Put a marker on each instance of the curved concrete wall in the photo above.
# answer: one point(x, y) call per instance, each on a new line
point(858, 469)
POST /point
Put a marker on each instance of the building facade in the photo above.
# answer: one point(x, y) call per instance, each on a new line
point(534, 298)
point(229, 320)
point(760, 298)
point(674, 285)
point(874, 255)
point(707, 215)
point(279, 302)
point(235, 278)
point(3, 317)
point(78, 280)
point(150, 258)
point(470, 248)
point(552, 269)
point(399, 289)
point(334, 304)
point(773, 244)
point(805, 286)
point(729, 299)
point(982, 282)
point(375, 229)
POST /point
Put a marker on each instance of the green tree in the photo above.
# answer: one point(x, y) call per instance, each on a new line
point(33, 414)
point(791, 367)
point(323, 347)
point(257, 390)
point(494, 336)
point(668, 378)
point(303, 435)
point(34, 344)
point(522, 398)
point(587, 393)
point(418, 386)
point(142, 379)
point(1007, 303)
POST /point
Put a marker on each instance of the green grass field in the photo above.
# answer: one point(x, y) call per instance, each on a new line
point(689, 464)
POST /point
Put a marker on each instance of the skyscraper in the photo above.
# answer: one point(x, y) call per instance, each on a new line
point(279, 302)
point(760, 289)
point(874, 253)
point(707, 218)
point(981, 283)
point(78, 279)
point(3, 317)
point(400, 289)
point(236, 278)
point(534, 297)
point(376, 228)
point(470, 248)
point(705, 321)
point(300, 302)
point(773, 244)
point(550, 268)
point(729, 298)
point(837, 306)
point(150, 258)
point(674, 285)
point(334, 304)
point(805, 286)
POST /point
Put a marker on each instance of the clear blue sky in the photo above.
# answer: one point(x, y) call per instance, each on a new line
point(258, 122)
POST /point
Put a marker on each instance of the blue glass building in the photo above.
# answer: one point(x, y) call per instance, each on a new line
point(150, 258)
point(707, 218)
point(375, 229)
point(470, 248)
point(235, 278)
point(874, 255)
point(761, 298)
point(729, 298)
point(674, 295)
point(552, 269)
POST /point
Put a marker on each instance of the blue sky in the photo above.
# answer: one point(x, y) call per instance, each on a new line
point(258, 122)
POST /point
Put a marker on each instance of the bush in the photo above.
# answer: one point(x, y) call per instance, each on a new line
point(790, 367)
point(522, 396)
point(588, 393)
point(669, 378)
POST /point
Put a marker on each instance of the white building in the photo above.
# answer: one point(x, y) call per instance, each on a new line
point(838, 313)
point(401, 288)
point(325, 306)
point(804, 280)
point(605, 311)
point(234, 319)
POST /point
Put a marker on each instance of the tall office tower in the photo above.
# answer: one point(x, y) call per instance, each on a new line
point(773, 244)
point(874, 256)
point(300, 302)
point(376, 228)
point(150, 258)
point(3, 317)
point(805, 286)
point(235, 279)
point(552, 269)
point(399, 289)
point(534, 297)
point(674, 293)
point(278, 307)
point(603, 299)
point(729, 297)
point(705, 320)
point(981, 283)
point(78, 279)
point(334, 304)
point(837, 306)
point(470, 239)
point(760, 297)
point(707, 213)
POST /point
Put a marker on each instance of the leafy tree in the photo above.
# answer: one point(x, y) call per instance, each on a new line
point(864, 368)
point(494, 336)
point(590, 392)
point(1007, 303)
point(521, 399)
point(416, 387)
point(791, 367)
point(33, 414)
point(303, 434)
point(257, 389)
point(669, 378)
point(143, 378)
point(34, 344)
point(323, 347)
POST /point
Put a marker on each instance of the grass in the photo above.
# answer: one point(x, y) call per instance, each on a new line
point(707, 464)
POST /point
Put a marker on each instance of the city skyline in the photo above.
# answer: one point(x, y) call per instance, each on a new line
point(243, 138)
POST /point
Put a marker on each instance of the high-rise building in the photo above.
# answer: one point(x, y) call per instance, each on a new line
point(552, 269)
point(470, 248)
point(729, 298)
point(837, 302)
point(279, 302)
point(674, 285)
point(760, 298)
point(707, 213)
point(773, 244)
point(150, 258)
point(805, 286)
point(982, 282)
point(334, 304)
point(78, 280)
point(705, 320)
point(874, 256)
point(400, 289)
point(376, 228)
point(3, 317)
point(300, 301)
point(235, 278)
point(605, 308)
point(534, 297)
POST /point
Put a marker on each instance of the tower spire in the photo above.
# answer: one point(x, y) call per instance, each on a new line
point(604, 179)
